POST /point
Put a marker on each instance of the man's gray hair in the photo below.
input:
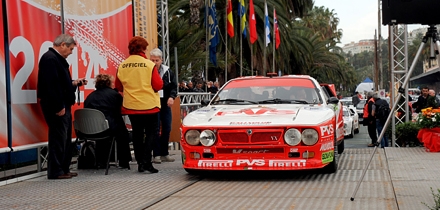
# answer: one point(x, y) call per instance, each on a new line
point(156, 52)
point(376, 96)
point(370, 94)
point(66, 38)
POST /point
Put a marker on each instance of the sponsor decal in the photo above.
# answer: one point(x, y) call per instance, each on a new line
point(293, 149)
point(257, 111)
point(327, 157)
point(287, 163)
point(215, 163)
point(256, 162)
point(207, 150)
point(247, 164)
point(327, 130)
point(250, 123)
point(327, 146)
point(249, 150)
point(241, 151)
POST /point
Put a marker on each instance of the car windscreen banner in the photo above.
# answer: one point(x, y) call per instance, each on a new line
point(3, 107)
point(102, 29)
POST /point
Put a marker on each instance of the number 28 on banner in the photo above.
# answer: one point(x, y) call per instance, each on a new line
point(29, 96)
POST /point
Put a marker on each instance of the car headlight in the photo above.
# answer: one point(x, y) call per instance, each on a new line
point(207, 138)
point(309, 136)
point(292, 137)
point(192, 137)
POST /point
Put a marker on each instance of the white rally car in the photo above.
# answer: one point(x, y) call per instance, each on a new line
point(265, 123)
point(351, 121)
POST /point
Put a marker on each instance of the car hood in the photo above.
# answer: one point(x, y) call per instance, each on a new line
point(259, 115)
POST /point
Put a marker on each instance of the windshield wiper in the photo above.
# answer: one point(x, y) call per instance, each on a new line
point(283, 101)
point(235, 100)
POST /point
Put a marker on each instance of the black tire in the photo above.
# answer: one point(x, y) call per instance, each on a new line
point(333, 166)
point(351, 135)
point(341, 147)
point(356, 131)
point(192, 171)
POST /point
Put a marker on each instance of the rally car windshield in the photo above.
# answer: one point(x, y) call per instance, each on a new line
point(264, 93)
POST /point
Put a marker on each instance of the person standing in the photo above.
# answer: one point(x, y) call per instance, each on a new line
point(379, 122)
point(56, 91)
point(109, 102)
point(369, 119)
point(167, 96)
point(355, 99)
point(432, 100)
point(422, 100)
point(139, 81)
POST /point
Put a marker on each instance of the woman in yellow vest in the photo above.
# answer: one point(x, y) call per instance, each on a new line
point(139, 82)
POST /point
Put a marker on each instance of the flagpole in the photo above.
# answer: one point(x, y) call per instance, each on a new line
point(265, 44)
point(207, 42)
point(241, 48)
point(226, 42)
point(252, 61)
point(273, 59)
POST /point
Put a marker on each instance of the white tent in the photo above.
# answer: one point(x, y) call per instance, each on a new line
point(365, 86)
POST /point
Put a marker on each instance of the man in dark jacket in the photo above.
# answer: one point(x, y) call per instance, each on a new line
point(56, 91)
point(167, 96)
point(109, 102)
point(379, 123)
point(422, 100)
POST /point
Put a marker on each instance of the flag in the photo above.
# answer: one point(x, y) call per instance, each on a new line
point(252, 22)
point(213, 32)
point(230, 20)
point(266, 24)
point(242, 14)
point(276, 30)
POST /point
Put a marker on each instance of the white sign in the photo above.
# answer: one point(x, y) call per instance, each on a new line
point(382, 93)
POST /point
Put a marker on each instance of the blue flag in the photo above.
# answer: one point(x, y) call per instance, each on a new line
point(213, 32)
point(242, 14)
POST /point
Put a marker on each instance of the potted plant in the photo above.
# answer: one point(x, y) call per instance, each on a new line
point(429, 123)
point(406, 134)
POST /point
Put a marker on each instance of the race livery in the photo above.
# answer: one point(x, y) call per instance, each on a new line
point(265, 123)
point(351, 121)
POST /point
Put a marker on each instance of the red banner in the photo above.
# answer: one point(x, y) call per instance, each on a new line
point(3, 104)
point(102, 30)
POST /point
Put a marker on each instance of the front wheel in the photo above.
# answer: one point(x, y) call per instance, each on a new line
point(333, 166)
point(341, 147)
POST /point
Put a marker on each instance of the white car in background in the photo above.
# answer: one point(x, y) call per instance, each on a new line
point(351, 121)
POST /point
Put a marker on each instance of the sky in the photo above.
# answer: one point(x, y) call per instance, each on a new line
point(358, 19)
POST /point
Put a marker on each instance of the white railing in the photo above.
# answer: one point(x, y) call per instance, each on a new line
point(193, 99)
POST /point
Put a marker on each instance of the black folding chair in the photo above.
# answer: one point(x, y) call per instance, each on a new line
point(90, 124)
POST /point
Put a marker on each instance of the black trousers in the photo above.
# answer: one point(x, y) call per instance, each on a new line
point(123, 147)
point(60, 142)
point(372, 131)
point(144, 130)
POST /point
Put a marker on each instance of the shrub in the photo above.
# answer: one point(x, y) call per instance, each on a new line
point(436, 200)
point(406, 134)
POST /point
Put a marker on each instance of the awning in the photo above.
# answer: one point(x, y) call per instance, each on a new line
point(429, 77)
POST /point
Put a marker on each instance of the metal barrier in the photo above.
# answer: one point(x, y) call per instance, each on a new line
point(188, 103)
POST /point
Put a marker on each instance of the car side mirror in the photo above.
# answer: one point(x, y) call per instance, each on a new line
point(333, 100)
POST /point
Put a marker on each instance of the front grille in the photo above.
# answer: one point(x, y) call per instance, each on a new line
point(234, 137)
point(256, 136)
point(265, 137)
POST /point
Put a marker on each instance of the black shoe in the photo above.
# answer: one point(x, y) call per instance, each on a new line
point(124, 166)
point(141, 168)
point(150, 168)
